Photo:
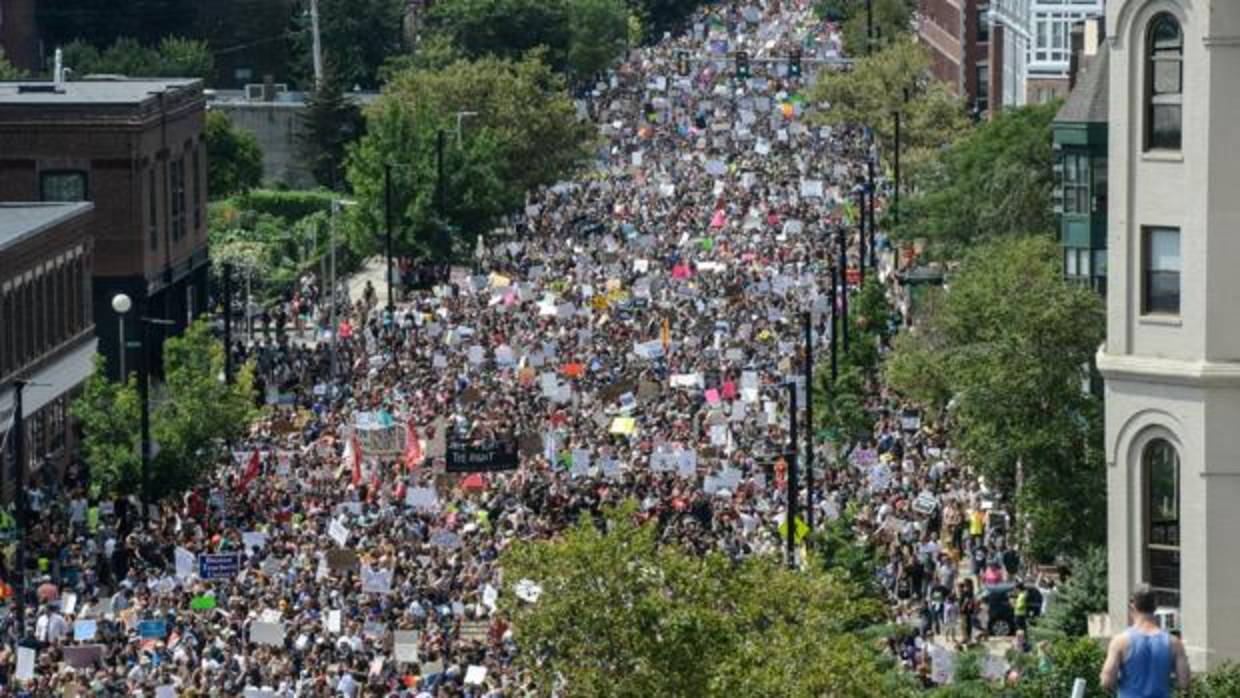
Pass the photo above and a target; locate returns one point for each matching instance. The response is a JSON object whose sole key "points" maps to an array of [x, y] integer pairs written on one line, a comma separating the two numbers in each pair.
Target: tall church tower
{"points": [[1172, 355]]}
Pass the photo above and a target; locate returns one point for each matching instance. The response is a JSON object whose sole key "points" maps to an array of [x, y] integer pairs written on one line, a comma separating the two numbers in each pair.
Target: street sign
{"points": [[488, 457]]}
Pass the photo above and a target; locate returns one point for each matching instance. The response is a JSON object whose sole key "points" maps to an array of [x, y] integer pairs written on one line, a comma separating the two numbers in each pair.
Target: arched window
{"points": [[1164, 83], [1161, 463]]}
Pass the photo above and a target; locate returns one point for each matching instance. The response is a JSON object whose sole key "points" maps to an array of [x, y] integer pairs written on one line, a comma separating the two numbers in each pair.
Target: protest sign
{"points": [[152, 629], [218, 565], [205, 602], [465, 457], [82, 656], [338, 532], [84, 630], [405, 646], [376, 580], [267, 633]]}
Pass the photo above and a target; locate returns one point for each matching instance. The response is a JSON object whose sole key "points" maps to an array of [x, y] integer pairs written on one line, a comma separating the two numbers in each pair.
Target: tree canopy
{"points": [[579, 36], [873, 91], [620, 614], [356, 36], [171, 57], [1004, 354], [994, 182], [190, 426], [890, 19], [234, 160], [524, 133], [330, 123], [8, 71]]}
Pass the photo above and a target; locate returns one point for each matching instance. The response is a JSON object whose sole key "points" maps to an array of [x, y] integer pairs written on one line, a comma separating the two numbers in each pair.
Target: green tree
{"points": [[234, 160], [621, 615], [874, 90], [8, 71], [1067, 660], [598, 31], [1083, 593], [506, 28], [100, 23], [330, 123], [996, 181], [891, 19], [109, 412], [201, 414], [525, 135], [174, 57], [194, 415], [840, 405], [1005, 354], [357, 36]]}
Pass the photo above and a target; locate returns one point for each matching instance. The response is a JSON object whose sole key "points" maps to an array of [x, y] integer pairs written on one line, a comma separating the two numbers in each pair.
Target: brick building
{"points": [[135, 149], [957, 32], [46, 324]]}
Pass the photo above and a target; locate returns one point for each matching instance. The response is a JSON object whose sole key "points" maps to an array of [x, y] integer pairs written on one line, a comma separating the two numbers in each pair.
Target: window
{"points": [[1099, 203], [62, 185], [151, 198], [177, 192], [1161, 464], [1164, 75], [983, 26], [983, 87], [1162, 271], [197, 190], [1076, 183]]}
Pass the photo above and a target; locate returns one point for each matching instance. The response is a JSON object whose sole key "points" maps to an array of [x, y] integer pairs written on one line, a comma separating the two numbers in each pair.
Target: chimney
{"points": [[58, 71]]}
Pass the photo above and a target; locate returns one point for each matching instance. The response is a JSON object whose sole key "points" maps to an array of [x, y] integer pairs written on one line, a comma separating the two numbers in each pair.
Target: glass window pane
{"points": [[1166, 76], [1070, 261], [64, 186], [1083, 265], [1164, 249], [1166, 32]]}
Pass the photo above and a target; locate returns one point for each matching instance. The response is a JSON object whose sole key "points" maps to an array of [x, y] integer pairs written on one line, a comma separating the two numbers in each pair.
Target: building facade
{"points": [[46, 326], [1011, 34], [1172, 355], [1080, 133], [135, 149], [957, 33]]}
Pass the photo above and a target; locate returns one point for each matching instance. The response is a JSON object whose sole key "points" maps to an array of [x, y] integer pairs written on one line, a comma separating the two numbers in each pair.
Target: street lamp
{"points": [[121, 303], [144, 382]]}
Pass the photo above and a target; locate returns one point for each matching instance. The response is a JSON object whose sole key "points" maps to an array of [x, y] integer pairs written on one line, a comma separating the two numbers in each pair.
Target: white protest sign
{"points": [[266, 633], [185, 563], [475, 675], [376, 581], [333, 621], [422, 498], [405, 646], [338, 532], [25, 664]]}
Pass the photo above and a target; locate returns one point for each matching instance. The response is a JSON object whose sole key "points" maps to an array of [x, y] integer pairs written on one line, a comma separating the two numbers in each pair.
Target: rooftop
{"points": [[111, 91], [19, 221], [1088, 101]]}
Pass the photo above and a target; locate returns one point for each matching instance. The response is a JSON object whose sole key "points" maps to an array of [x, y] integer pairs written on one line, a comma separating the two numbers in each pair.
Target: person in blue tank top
{"points": [[1140, 660]]}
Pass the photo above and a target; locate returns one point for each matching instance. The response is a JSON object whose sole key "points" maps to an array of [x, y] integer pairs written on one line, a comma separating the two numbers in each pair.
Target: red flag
{"points": [[413, 446], [474, 482], [251, 472], [357, 460]]}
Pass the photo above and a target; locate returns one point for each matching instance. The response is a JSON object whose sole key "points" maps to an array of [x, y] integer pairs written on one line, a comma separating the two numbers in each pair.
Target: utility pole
{"points": [[387, 219], [843, 241], [807, 320], [861, 193], [895, 200], [318, 46], [792, 474], [144, 390], [834, 316], [870, 191], [869, 27], [19, 498], [228, 348]]}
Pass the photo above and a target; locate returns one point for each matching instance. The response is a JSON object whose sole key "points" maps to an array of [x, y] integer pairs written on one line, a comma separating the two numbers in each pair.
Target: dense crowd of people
{"points": [[634, 341]]}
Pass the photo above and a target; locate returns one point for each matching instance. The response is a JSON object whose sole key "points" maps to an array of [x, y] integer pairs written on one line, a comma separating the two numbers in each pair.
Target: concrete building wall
{"points": [[1176, 376], [276, 125]]}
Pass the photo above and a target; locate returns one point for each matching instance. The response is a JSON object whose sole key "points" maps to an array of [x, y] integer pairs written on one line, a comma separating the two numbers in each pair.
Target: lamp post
{"points": [[121, 303], [19, 498], [144, 383], [792, 474], [228, 358], [843, 243], [387, 220], [337, 205], [807, 321]]}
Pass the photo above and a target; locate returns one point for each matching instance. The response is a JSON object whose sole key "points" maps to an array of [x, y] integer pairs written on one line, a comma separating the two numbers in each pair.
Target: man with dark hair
{"points": [[1140, 660]]}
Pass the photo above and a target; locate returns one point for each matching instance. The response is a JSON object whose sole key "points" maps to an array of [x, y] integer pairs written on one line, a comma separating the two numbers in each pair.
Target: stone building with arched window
{"points": [[1172, 356]]}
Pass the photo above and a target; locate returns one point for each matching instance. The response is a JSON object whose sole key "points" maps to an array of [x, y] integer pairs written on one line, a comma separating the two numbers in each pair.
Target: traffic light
{"points": [[742, 65], [794, 63], [682, 63]]}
